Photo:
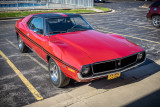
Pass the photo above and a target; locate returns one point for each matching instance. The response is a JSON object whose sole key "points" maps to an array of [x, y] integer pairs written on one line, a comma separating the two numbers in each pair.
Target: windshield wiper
{"points": [[57, 32], [81, 29], [76, 29]]}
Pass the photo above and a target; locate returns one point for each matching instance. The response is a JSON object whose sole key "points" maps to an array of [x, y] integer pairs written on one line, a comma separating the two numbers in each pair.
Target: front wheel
{"points": [[21, 45], [58, 78], [156, 21]]}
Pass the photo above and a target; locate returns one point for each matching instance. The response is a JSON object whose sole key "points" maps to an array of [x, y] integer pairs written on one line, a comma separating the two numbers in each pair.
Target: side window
{"points": [[37, 23]]}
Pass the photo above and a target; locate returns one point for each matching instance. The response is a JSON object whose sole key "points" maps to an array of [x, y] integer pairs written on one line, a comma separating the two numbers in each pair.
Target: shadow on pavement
{"points": [[151, 100]]}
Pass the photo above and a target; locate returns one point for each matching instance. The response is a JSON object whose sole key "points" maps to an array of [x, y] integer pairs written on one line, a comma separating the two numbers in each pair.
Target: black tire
{"points": [[156, 21], [21, 45], [58, 78]]}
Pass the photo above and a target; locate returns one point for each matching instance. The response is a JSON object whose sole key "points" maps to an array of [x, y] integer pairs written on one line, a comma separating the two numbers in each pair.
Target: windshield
{"points": [[66, 24], [156, 4]]}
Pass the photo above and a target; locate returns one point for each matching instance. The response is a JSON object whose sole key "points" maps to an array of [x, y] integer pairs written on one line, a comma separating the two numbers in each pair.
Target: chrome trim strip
{"points": [[117, 58]]}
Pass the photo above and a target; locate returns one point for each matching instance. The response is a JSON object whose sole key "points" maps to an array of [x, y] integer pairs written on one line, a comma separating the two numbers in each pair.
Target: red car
{"points": [[73, 49], [154, 13]]}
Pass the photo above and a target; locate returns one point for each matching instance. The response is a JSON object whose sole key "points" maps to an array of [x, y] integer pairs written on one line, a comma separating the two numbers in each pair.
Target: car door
{"points": [[36, 34]]}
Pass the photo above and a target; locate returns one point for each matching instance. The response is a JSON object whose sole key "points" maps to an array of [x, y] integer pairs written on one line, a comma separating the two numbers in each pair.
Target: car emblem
{"points": [[119, 63]]}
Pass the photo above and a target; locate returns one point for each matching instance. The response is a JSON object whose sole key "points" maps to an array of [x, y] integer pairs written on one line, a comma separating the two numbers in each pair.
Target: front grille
{"points": [[128, 60], [114, 64], [100, 67]]}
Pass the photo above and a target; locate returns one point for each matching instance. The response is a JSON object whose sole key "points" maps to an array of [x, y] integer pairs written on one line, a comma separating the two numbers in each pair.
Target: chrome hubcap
{"points": [[54, 72], [156, 21], [20, 42]]}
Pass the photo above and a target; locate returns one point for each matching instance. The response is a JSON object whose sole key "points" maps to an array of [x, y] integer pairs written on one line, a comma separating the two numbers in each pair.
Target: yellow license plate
{"points": [[113, 76]]}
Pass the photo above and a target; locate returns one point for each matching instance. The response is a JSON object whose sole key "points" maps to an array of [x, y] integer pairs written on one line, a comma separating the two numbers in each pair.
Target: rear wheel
{"points": [[21, 45], [58, 78], [156, 21]]}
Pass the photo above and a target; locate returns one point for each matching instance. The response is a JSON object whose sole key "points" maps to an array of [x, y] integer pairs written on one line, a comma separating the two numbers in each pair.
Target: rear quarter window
{"points": [[36, 23]]}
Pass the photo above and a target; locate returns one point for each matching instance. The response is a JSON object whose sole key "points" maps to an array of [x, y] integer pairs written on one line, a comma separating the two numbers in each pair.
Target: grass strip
{"points": [[26, 13], [102, 8]]}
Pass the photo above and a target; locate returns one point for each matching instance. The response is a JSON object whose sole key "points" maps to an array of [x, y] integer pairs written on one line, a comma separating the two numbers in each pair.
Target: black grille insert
{"points": [[128, 60], [100, 67], [114, 64]]}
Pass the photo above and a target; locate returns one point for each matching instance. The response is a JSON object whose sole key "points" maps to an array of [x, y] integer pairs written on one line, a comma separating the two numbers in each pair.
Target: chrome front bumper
{"points": [[103, 75]]}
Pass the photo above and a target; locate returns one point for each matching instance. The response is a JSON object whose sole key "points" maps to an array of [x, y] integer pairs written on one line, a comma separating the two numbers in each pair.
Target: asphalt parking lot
{"points": [[128, 20]]}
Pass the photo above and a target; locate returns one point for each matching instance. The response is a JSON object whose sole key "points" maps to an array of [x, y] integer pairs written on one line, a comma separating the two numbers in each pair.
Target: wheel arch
{"points": [[48, 58], [17, 35], [155, 15]]}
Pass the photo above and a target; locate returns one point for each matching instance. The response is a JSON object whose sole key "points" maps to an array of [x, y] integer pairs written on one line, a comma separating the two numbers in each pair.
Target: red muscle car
{"points": [[73, 49]]}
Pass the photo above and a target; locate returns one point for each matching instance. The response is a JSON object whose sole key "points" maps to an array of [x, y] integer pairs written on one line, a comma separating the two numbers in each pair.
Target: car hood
{"points": [[98, 46]]}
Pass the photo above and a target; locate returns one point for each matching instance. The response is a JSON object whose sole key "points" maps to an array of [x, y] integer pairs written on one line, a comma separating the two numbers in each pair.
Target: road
{"points": [[128, 20]]}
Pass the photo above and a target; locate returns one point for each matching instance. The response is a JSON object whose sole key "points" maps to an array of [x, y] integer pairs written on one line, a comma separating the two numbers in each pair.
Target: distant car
{"points": [[154, 13], [97, 1], [73, 49]]}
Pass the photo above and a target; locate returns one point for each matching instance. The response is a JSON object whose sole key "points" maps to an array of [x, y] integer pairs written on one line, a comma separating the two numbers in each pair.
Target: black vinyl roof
{"points": [[55, 15]]}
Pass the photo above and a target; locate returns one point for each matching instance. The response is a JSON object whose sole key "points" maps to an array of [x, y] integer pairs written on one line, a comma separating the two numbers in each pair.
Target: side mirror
{"points": [[35, 30]]}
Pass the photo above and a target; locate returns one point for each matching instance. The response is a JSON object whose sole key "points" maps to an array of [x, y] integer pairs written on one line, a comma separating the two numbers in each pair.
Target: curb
{"points": [[97, 12], [8, 18]]}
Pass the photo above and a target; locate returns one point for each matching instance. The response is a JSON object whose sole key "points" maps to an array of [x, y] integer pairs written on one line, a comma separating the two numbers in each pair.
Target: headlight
{"points": [[86, 71], [139, 56]]}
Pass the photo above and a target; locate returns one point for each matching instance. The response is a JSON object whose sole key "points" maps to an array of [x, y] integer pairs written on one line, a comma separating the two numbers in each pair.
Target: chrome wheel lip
{"points": [[20, 43], [156, 21], [54, 71]]}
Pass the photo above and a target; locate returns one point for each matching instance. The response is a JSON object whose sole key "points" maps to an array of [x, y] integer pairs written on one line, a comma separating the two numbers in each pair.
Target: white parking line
{"points": [[128, 36], [142, 26], [35, 60]]}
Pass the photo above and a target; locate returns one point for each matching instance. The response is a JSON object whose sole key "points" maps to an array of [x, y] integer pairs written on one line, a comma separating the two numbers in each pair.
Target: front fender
{"points": [[69, 58]]}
